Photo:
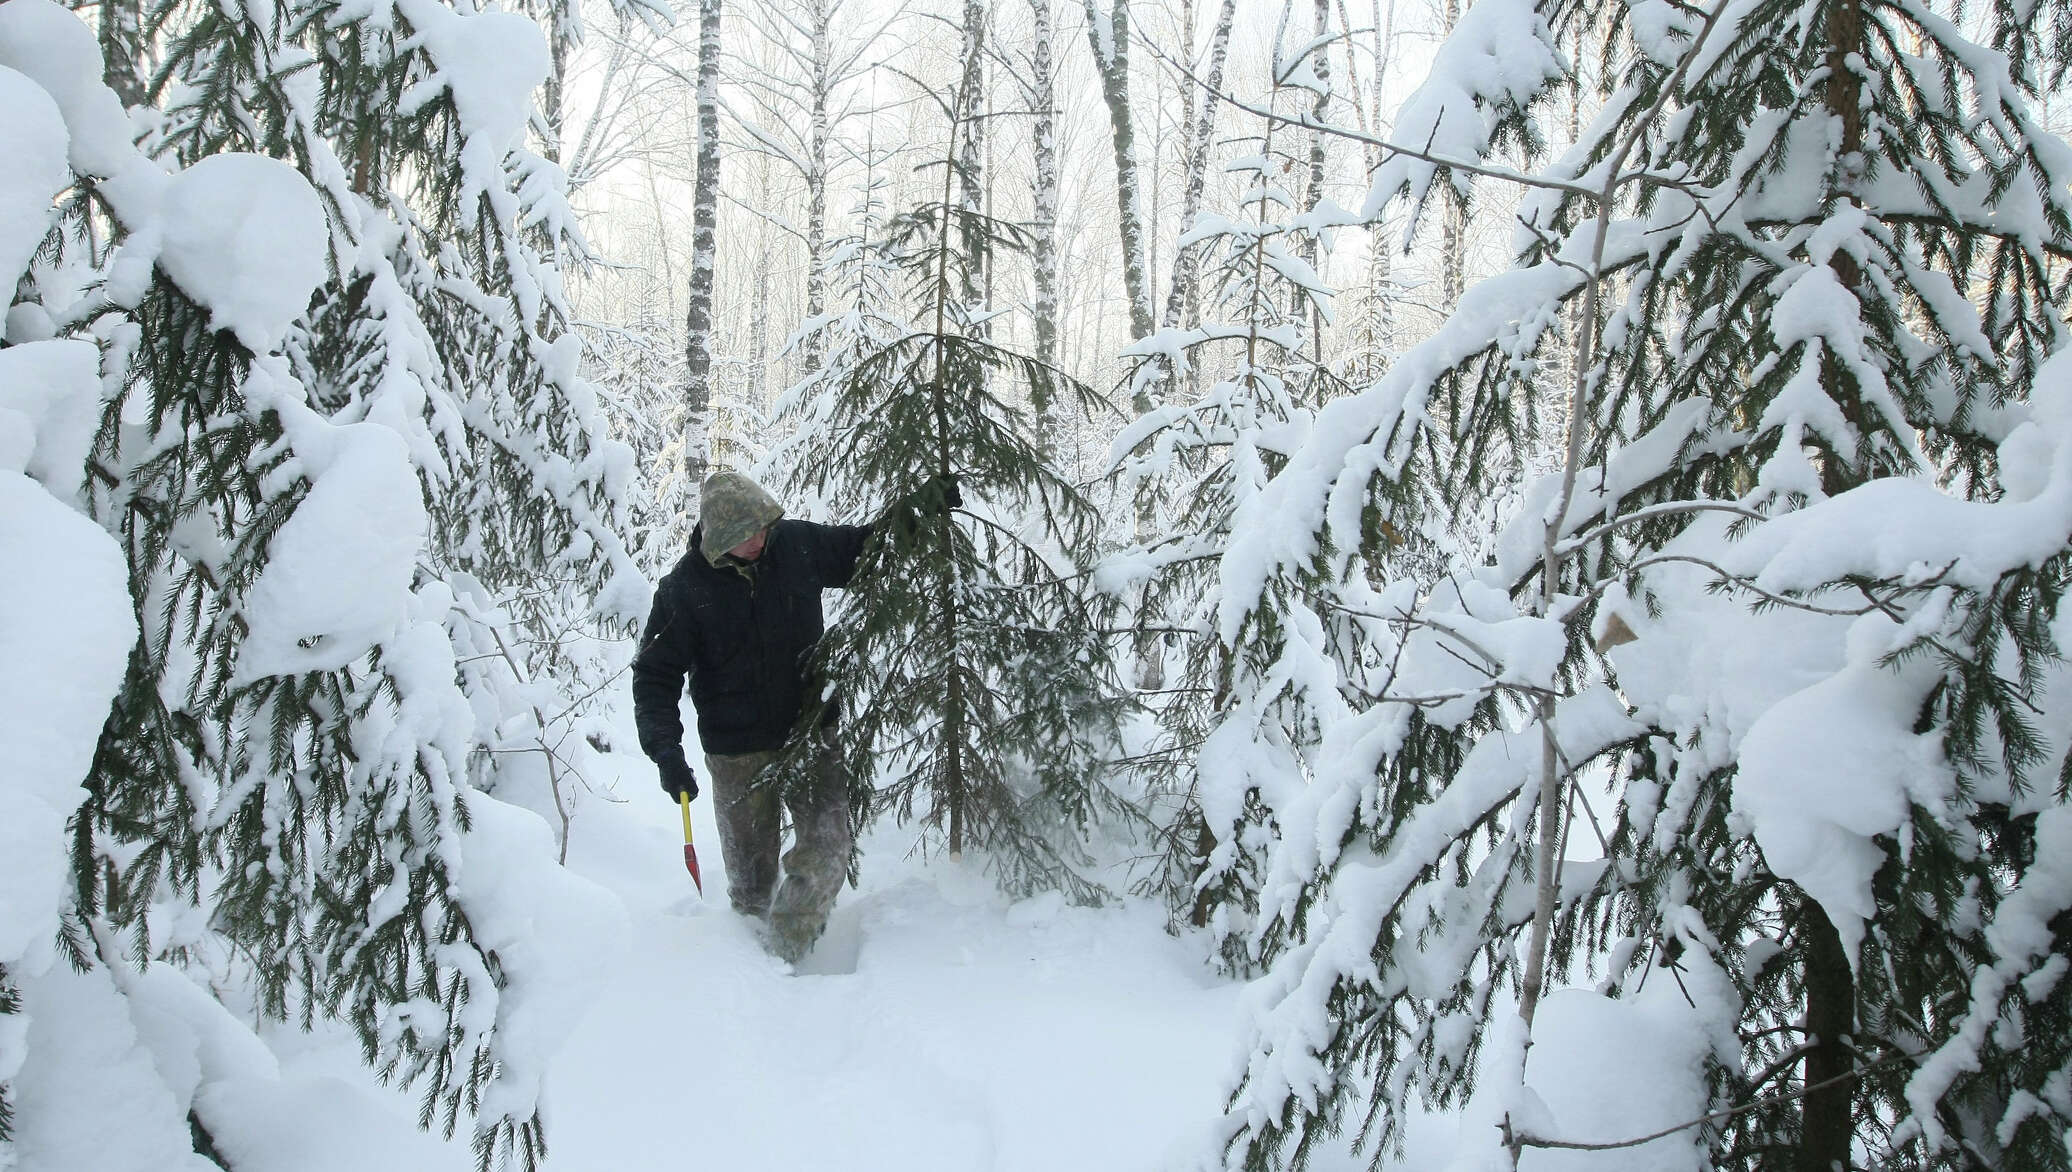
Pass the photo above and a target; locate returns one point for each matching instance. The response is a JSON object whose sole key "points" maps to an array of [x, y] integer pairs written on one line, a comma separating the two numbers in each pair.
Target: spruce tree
{"points": [[1776, 588], [292, 756], [970, 663]]}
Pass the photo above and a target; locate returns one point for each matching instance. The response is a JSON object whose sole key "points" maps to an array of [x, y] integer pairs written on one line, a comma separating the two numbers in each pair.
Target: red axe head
{"points": [[690, 853]]}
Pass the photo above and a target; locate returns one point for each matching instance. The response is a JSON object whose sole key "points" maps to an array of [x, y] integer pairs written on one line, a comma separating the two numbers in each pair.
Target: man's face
{"points": [[751, 549]]}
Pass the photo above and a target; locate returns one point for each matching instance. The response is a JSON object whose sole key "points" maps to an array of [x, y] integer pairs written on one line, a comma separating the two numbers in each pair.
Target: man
{"points": [[739, 616]]}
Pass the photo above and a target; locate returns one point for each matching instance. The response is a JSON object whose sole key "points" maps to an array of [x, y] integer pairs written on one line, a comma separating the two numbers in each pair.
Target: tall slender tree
{"points": [[1108, 34], [1045, 190], [1196, 464], [1182, 289], [698, 314], [796, 103]]}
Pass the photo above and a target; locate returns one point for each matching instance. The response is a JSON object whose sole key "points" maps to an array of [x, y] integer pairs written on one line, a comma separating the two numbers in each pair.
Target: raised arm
{"points": [[843, 544], [839, 547]]}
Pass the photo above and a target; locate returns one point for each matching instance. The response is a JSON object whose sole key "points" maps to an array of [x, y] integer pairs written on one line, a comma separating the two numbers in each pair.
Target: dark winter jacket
{"points": [[742, 632]]}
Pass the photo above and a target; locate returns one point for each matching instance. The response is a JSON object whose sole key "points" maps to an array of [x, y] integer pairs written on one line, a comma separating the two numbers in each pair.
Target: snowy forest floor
{"points": [[974, 1033]]}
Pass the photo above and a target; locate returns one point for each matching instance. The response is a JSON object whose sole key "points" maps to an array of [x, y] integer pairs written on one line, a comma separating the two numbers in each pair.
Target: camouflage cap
{"points": [[733, 509]]}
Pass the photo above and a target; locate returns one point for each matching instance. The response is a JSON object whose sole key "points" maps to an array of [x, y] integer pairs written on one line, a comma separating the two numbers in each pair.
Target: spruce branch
{"points": [[1523, 1139]]}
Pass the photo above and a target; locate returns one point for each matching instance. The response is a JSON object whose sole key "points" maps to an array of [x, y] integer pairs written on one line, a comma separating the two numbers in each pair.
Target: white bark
{"points": [[1453, 234], [816, 178], [1109, 36], [697, 451], [971, 96], [1181, 295], [1313, 190], [1043, 98]]}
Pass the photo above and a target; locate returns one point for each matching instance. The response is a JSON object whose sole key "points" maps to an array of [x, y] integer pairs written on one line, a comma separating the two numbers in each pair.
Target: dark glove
{"points": [[939, 495], [908, 515], [677, 779]]}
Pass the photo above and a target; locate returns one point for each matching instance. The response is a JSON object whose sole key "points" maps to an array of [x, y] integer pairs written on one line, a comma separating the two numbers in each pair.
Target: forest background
{"points": [[1534, 534]]}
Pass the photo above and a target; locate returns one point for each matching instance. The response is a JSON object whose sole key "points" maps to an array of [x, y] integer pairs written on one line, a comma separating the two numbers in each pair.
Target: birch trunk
{"points": [[1313, 190], [1110, 38], [1110, 41], [697, 450], [816, 184], [759, 318], [1182, 295], [1370, 104], [1043, 99], [970, 154], [1453, 236], [554, 93]]}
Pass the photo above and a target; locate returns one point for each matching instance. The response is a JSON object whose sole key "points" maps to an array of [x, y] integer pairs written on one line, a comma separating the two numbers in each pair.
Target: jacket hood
{"points": [[732, 509]]}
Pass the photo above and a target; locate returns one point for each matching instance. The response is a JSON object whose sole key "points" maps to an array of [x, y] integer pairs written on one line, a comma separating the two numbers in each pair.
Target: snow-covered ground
{"points": [[940, 1026], [971, 1034]]}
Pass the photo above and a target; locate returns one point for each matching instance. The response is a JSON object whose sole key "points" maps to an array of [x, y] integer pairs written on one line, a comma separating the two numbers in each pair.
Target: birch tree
{"points": [[1042, 95], [1181, 292], [1108, 35], [795, 110], [1198, 464], [1373, 309], [1453, 225], [1319, 71], [698, 314]]}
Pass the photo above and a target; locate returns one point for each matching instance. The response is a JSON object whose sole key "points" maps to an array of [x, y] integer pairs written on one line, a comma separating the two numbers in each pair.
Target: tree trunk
{"points": [[1110, 40], [121, 32], [1845, 37], [971, 101], [697, 452], [1826, 1113], [1181, 305], [554, 94], [1453, 257], [1380, 333], [759, 318], [1184, 123], [816, 186], [1044, 253], [1826, 1119], [1313, 190], [946, 562], [1453, 235], [987, 270]]}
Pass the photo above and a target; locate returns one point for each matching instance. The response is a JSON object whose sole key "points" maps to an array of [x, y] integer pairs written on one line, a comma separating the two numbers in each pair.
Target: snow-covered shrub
{"points": [[294, 372], [1247, 709], [1792, 596]]}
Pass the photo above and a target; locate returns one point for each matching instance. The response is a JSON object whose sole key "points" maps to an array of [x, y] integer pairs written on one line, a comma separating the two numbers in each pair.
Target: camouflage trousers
{"points": [[751, 836]]}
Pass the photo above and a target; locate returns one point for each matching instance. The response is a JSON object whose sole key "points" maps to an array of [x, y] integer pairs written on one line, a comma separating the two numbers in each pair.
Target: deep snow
{"points": [[939, 1026], [970, 1033]]}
